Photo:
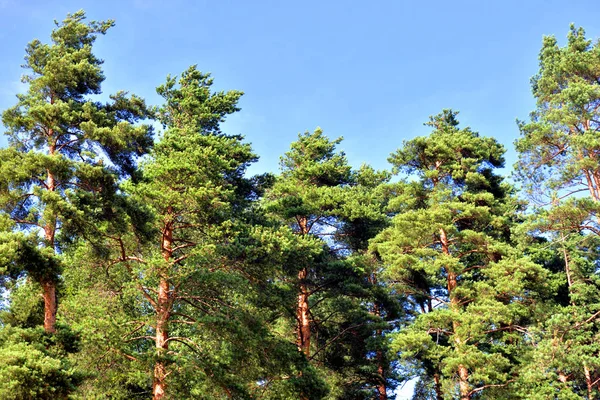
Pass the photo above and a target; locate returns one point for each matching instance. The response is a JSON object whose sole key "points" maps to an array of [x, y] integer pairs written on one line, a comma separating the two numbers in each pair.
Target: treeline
{"points": [[138, 264]]}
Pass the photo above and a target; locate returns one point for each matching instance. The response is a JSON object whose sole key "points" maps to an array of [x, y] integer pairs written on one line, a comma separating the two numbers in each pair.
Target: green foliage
{"points": [[558, 165], [198, 244], [175, 272], [449, 251], [311, 181], [57, 183], [558, 148], [53, 174], [323, 200], [33, 365]]}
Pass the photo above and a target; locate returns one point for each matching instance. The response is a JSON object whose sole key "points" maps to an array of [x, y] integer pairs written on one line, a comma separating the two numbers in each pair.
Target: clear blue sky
{"points": [[369, 71]]}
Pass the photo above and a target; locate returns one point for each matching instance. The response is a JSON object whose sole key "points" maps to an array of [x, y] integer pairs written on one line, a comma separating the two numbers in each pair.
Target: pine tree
{"points": [[559, 148], [66, 151], [305, 196], [311, 197], [193, 261], [449, 244], [564, 328], [369, 371], [339, 306], [189, 185], [558, 165]]}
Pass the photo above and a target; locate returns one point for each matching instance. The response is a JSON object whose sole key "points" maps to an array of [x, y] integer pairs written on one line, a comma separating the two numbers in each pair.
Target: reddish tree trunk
{"points": [[159, 384], [302, 307], [302, 315], [49, 295], [161, 341], [438, 387], [588, 382], [49, 285], [381, 389], [463, 373]]}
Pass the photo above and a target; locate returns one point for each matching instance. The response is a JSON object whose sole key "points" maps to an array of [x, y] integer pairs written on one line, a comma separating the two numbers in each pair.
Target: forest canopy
{"points": [[139, 259]]}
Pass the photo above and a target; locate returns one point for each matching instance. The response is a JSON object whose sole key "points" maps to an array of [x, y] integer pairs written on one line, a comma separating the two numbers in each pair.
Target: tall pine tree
{"points": [[449, 250], [66, 151], [559, 154], [305, 196]]}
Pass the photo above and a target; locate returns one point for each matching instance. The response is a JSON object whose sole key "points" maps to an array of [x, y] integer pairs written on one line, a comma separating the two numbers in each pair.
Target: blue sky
{"points": [[369, 71]]}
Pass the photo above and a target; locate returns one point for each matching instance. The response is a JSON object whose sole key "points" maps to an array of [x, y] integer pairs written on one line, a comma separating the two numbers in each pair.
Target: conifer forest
{"points": [[140, 260]]}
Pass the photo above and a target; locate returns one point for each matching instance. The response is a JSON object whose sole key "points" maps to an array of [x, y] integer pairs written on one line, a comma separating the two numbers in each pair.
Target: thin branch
{"points": [[179, 259], [479, 389], [183, 340], [183, 246], [590, 319], [140, 337]]}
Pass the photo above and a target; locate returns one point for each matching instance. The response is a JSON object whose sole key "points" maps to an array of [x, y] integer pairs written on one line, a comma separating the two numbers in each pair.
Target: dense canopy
{"points": [[139, 259]]}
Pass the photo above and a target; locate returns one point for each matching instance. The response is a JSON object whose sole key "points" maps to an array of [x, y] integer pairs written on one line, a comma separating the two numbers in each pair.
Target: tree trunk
{"points": [[438, 387], [302, 315], [588, 382], [161, 341], [303, 328], [381, 389], [302, 308], [463, 372], [591, 178], [49, 284], [49, 295], [163, 312]]}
